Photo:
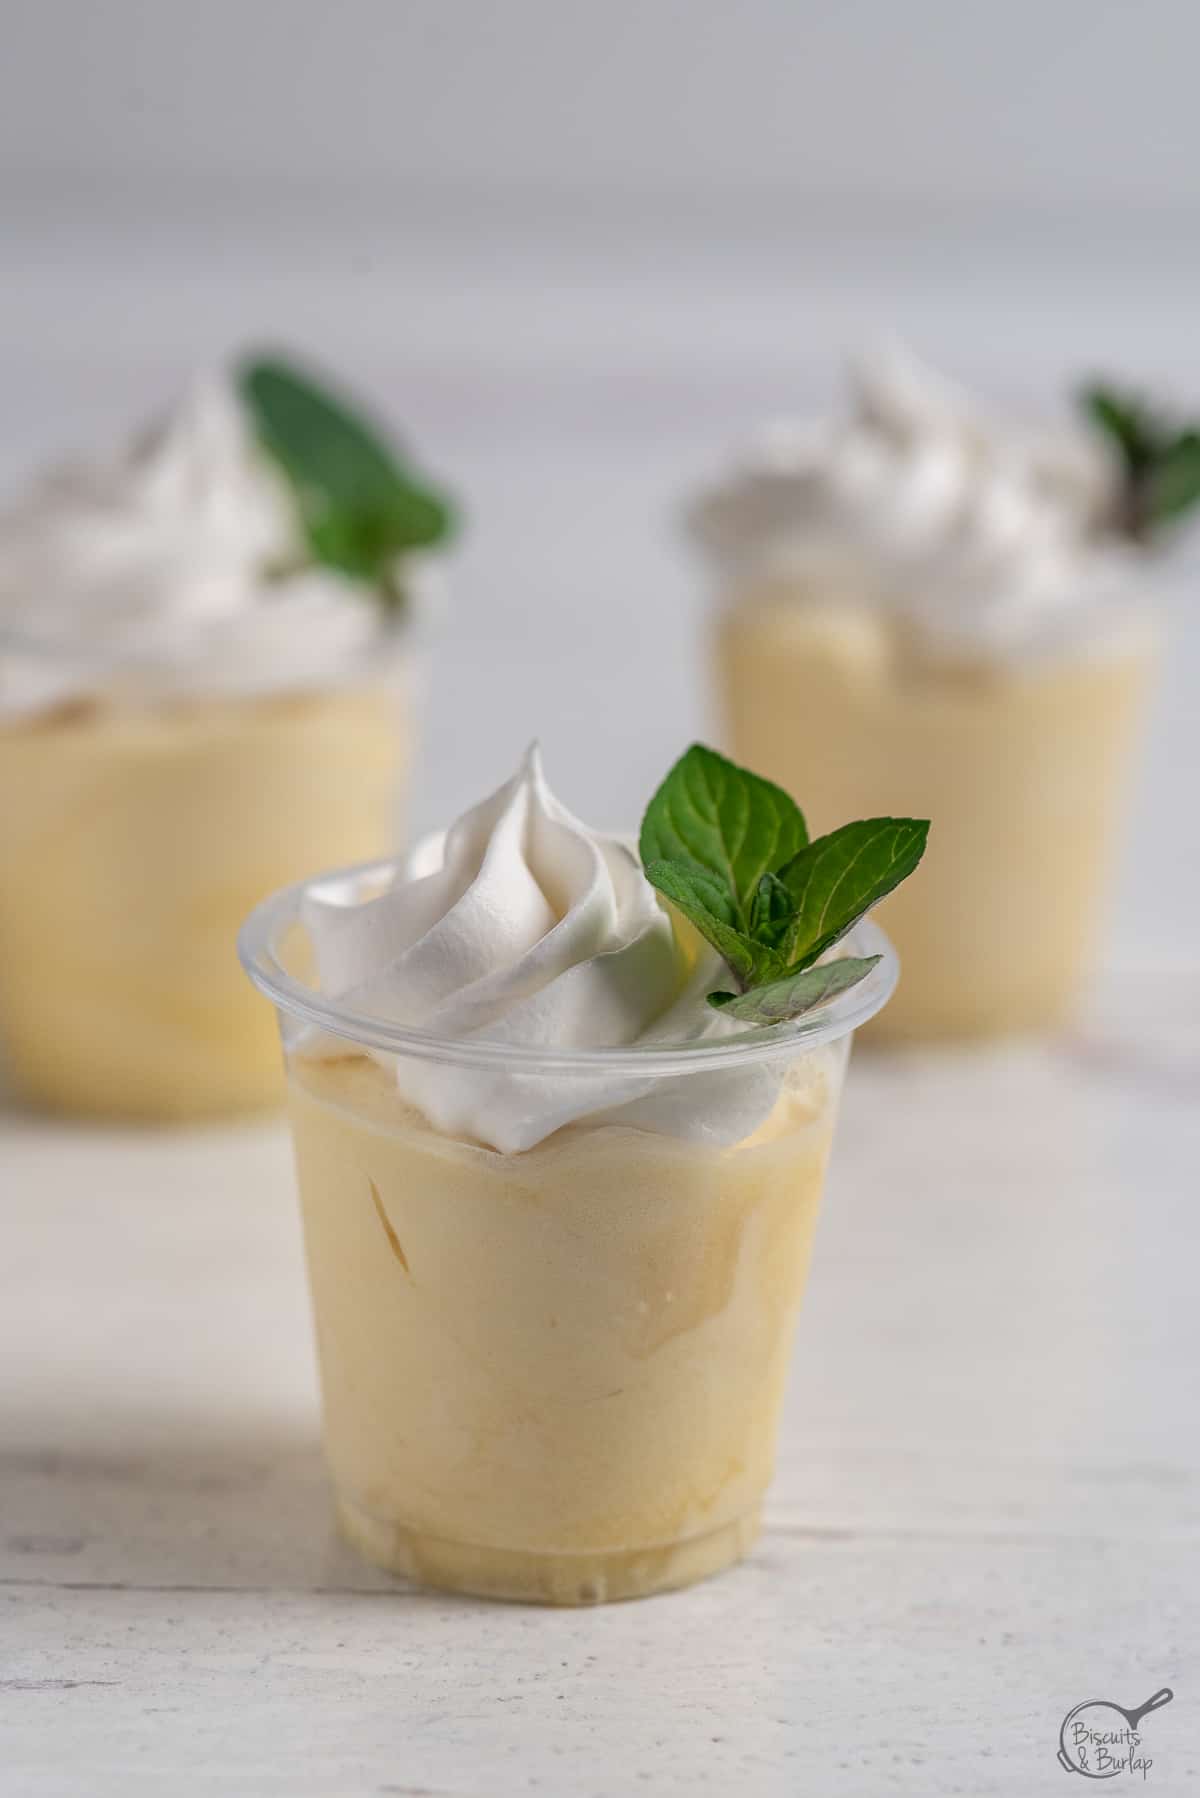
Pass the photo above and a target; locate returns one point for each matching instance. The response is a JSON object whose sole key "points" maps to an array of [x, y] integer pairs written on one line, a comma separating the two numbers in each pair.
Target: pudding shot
{"points": [[561, 1112], [204, 650], [917, 612]]}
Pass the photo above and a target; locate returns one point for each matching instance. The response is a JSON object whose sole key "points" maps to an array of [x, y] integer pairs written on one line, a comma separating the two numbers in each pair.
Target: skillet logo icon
{"points": [[1100, 1739]]}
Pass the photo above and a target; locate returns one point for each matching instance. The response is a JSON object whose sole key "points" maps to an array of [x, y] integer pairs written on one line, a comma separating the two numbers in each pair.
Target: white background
{"points": [[1075, 105], [578, 249]]}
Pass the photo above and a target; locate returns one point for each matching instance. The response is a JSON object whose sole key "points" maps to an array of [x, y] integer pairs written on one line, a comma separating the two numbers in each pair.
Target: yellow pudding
{"points": [[553, 1375], [1023, 768], [135, 840]]}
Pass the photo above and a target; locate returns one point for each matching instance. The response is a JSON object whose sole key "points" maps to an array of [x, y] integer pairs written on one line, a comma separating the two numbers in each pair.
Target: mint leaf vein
{"points": [[837, 879]]}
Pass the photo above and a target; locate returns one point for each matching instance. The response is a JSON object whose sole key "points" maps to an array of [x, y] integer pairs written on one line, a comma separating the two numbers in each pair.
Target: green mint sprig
{"points": [[731, 852], [361, 505], [1159, 460]]}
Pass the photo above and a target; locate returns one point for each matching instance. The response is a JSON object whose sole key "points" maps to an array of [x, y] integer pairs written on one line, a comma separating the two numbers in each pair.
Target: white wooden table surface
{"points": [[987, 1508]]}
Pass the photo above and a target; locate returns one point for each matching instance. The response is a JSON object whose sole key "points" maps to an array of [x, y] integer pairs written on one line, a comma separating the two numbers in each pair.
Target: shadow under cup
{"points": [[554, 1375]]}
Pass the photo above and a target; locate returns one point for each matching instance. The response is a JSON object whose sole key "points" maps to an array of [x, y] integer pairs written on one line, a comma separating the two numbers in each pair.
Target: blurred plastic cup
{"points": [[1024, 768], [136, 836]]}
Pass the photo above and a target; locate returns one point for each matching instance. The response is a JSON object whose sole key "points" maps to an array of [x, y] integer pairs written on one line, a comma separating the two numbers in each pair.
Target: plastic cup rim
{"points": [[267, 923]]}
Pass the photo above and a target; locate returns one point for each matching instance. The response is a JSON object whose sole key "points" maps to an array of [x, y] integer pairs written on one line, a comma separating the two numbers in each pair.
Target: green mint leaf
{"points": [[794, 994], [720, 818], [351, 541], [707, 903], [361, 506], [731, 852], [1174, 486], [1161, 463], [839, 877], [1125, 419], [772, 911]]}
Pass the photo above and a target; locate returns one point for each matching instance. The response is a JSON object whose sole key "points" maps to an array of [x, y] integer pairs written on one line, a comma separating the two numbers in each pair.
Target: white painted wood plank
{"points": [[856, 1668], [988, 1502]]}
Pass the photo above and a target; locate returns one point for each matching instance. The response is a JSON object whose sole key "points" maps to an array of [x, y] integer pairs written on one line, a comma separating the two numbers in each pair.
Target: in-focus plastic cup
{"points": [[552, 1376], [1024, 768], [136, 836]]}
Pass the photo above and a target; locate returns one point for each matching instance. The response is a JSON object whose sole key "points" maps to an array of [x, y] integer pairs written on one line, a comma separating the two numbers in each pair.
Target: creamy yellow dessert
{"points": [[915, 617], [553, 1375], [197, 705], [559, 1184], [1024, 769], [135, 842]]}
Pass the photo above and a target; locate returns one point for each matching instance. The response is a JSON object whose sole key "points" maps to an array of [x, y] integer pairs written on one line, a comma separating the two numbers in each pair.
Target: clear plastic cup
{"points": [[138, 830], [552, 1376]]}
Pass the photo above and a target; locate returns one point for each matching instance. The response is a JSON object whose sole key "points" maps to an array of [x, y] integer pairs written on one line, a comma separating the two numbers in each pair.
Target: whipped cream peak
{"points": [[903, 400], [980, 540], [521, 925], [194, 468], [173, 566]]}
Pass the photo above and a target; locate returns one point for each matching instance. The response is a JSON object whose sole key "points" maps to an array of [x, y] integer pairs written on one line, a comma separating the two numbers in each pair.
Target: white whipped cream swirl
{"points": [[520, 925], [979, 541], [163, 571]]}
